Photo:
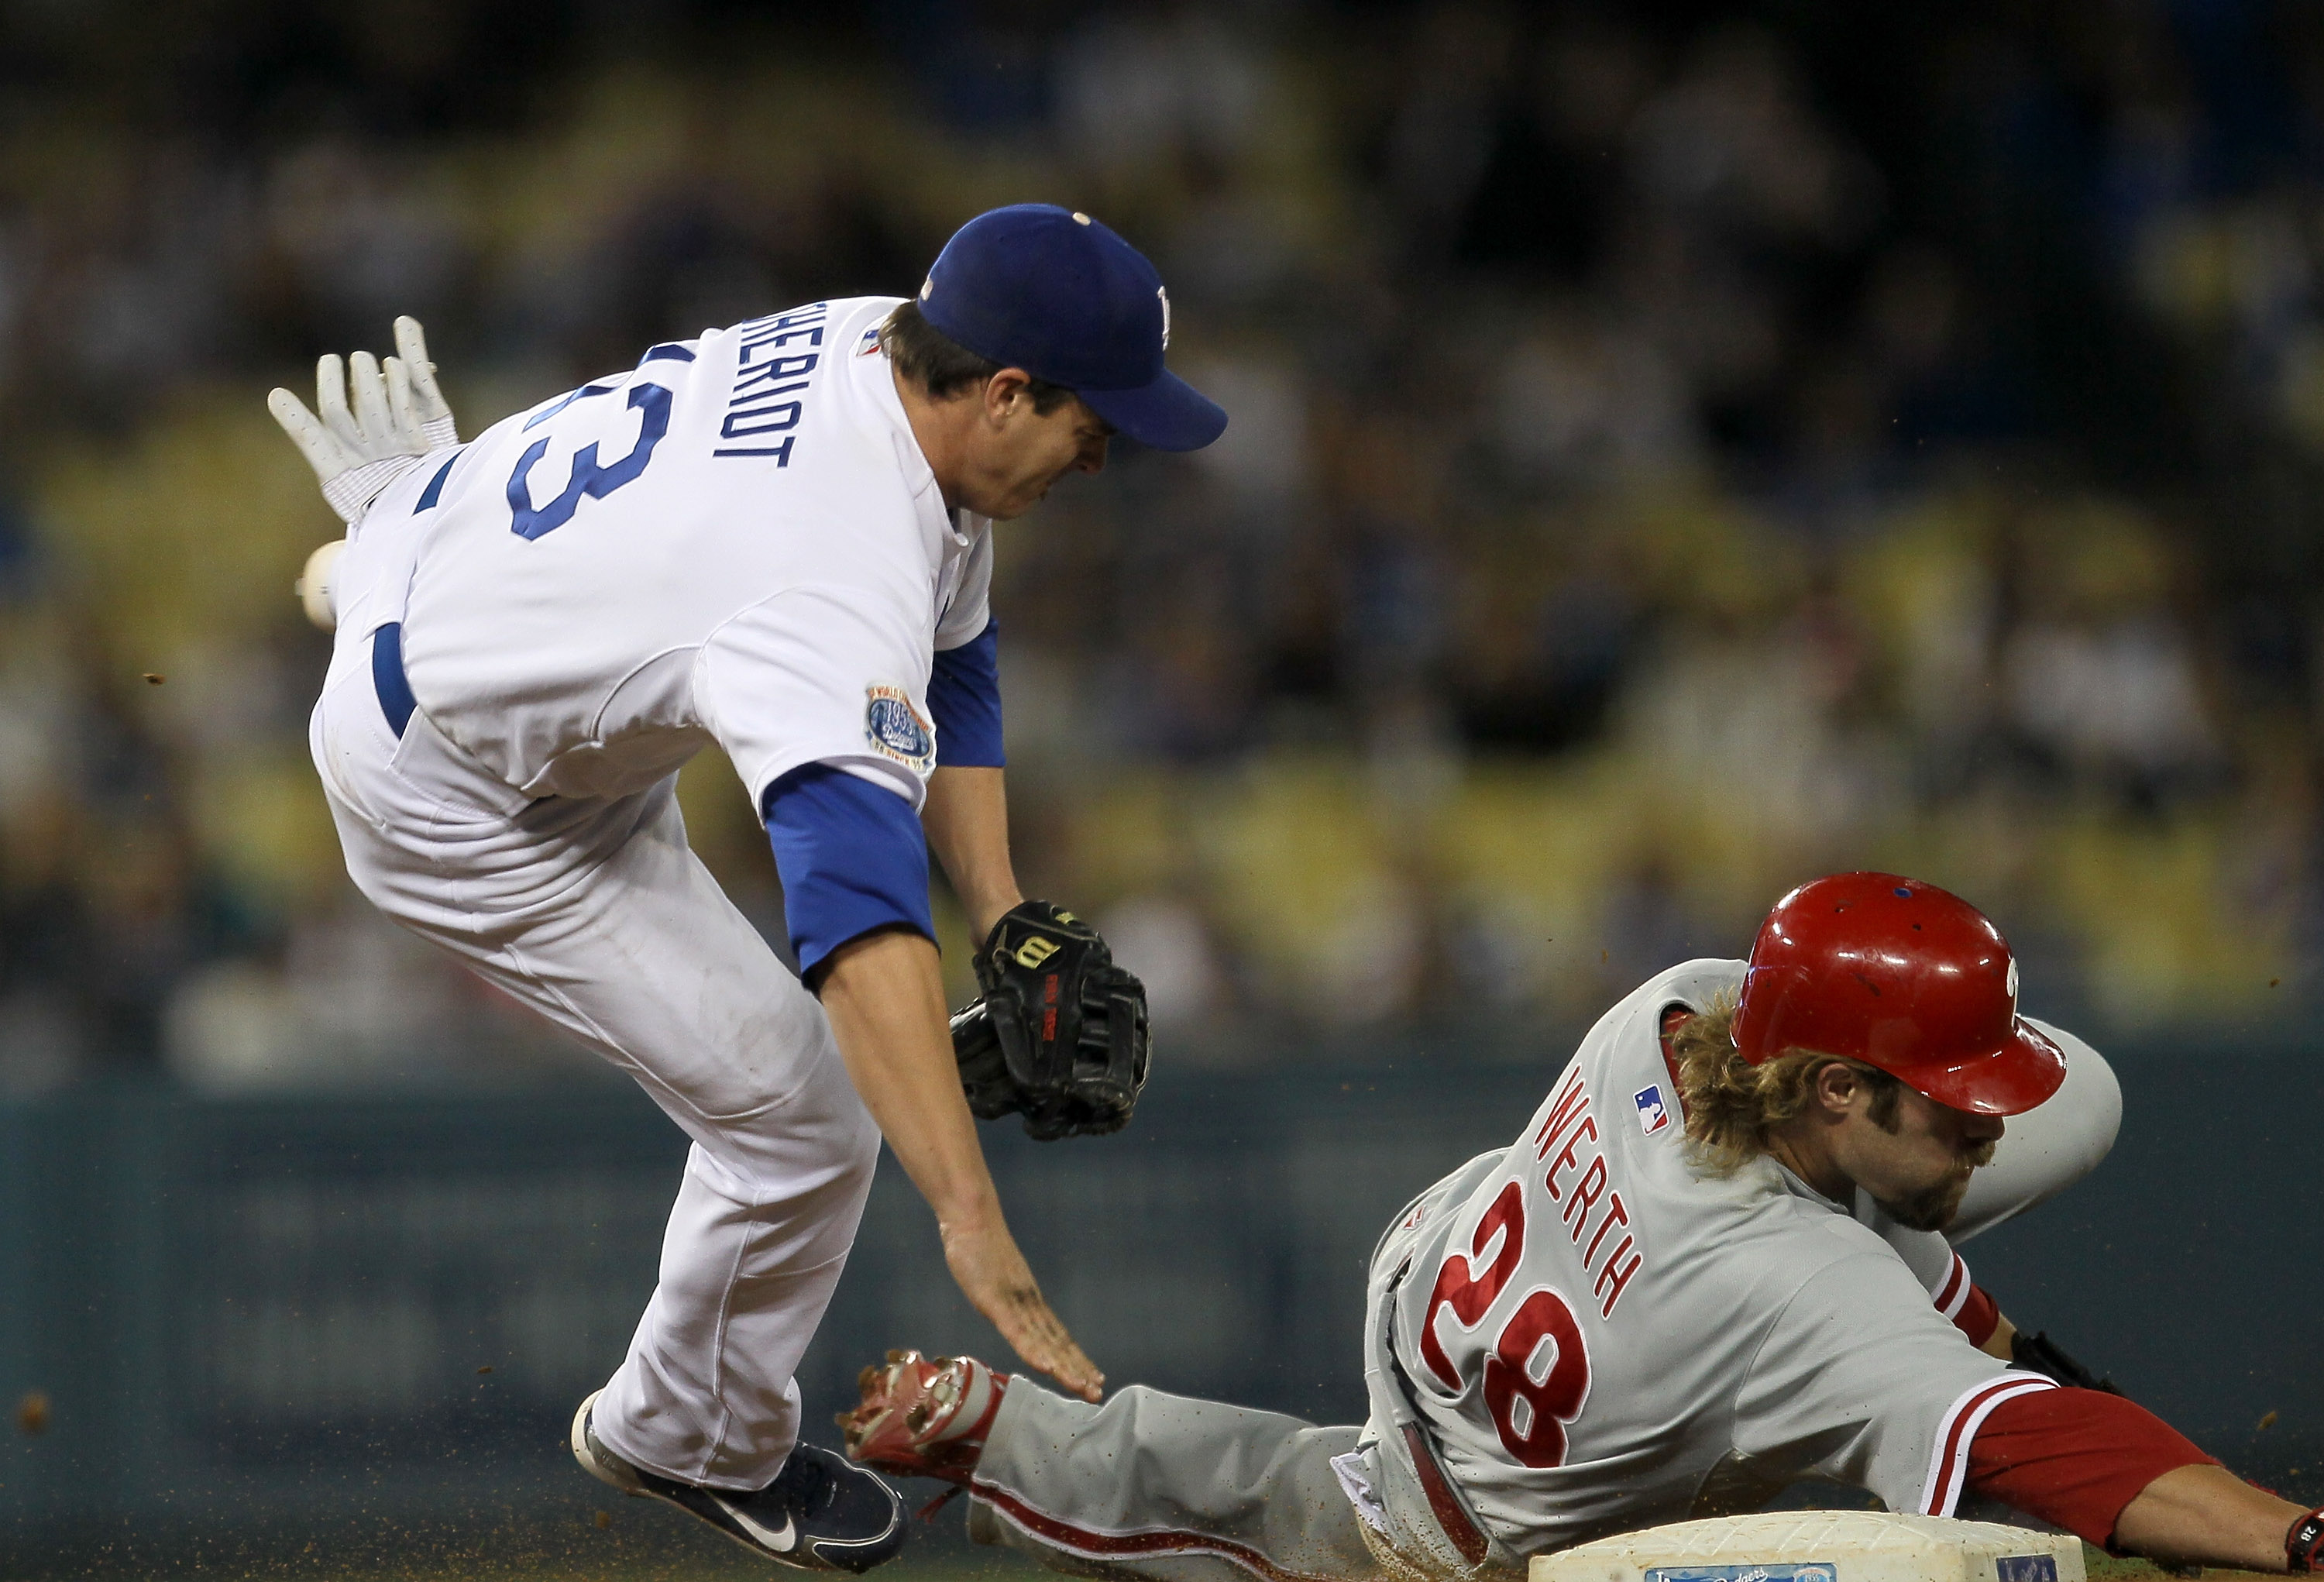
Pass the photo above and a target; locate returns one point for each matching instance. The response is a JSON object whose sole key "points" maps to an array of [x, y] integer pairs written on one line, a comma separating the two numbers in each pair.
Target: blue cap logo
{"points": [[1055, 293]]}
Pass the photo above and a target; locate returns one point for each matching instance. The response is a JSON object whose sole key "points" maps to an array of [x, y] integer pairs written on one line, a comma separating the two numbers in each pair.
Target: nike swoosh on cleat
{"points": [[782, 1542]]}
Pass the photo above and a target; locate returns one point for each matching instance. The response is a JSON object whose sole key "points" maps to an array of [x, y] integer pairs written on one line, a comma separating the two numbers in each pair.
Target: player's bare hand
{"points": [[995, 1277]]}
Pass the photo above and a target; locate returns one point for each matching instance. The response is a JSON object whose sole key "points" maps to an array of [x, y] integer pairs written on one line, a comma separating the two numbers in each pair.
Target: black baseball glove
{"points": [[2038, 1354], [1059, 1033]]}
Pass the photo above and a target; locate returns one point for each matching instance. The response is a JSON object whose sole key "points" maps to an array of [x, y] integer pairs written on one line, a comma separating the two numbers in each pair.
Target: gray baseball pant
{"points": [[1164, 1487]]}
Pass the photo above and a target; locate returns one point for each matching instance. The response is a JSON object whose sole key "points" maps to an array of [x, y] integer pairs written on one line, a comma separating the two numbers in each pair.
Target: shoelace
{"points": [[805, 1484]]}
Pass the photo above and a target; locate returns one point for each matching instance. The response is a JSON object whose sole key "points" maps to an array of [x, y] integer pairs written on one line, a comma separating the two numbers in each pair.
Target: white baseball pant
{"points": [[595, 914]]}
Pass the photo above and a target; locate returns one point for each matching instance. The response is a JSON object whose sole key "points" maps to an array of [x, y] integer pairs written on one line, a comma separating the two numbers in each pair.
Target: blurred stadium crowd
{"points": [[1676, 449]]}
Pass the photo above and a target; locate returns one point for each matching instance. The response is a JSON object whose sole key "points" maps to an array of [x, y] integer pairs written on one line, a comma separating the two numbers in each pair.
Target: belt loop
{"points": [[387, 678]]}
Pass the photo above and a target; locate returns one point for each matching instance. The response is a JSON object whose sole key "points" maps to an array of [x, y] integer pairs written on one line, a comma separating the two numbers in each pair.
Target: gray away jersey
{"points": [[1600, 1337]]}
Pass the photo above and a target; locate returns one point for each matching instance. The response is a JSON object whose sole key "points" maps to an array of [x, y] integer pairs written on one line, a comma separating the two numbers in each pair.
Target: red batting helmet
{"points": [[1902, 975]]}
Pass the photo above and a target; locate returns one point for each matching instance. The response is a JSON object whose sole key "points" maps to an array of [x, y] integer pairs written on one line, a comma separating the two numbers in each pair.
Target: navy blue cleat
{"points": [[823, 1512]]}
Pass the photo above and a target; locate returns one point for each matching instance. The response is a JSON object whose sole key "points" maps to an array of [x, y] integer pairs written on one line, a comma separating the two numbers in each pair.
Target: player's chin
{"points": [[1932, 1208], [1033, 495], [1011, 506]]}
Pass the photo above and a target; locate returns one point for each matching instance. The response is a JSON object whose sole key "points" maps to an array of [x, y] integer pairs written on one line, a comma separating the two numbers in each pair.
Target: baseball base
{"points": [[1821, 1545]]}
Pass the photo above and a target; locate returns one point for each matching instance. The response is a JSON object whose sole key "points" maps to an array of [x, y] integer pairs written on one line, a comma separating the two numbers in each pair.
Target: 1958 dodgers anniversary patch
{"points": [[894, 729]]}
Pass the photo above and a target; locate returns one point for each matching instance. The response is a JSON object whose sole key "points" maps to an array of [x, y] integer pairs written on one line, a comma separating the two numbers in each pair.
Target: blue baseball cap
{"points": [[1040, 288]]}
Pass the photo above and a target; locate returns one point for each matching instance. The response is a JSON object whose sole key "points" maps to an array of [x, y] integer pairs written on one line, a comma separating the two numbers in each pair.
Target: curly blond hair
{"points": [[1731, 1105]]}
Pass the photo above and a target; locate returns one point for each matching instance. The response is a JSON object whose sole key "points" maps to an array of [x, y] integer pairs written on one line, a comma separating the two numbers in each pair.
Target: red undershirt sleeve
{"points": [[1978, 1317], [2075, 1458]]}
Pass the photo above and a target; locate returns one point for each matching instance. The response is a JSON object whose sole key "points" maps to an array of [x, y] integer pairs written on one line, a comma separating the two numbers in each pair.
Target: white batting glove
{"points": [[376, 421]]}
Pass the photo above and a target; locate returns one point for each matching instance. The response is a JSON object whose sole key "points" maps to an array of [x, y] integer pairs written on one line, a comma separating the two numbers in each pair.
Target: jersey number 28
{"points": [[1536, 1374]]}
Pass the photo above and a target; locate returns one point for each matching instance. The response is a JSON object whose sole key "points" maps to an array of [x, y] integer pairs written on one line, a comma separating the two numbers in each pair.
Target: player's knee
{"points": [[846, 1150]]}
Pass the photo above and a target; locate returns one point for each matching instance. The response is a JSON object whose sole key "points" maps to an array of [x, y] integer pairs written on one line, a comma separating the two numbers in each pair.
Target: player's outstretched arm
{"points": [[884, 995], [2103, 1466], [1073, 1072], [2207, 1516], [966, 817], [2003, 1342]]}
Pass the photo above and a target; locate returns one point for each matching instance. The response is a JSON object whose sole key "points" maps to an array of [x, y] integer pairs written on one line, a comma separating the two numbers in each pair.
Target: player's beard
{"points": [[1933, 1207]]}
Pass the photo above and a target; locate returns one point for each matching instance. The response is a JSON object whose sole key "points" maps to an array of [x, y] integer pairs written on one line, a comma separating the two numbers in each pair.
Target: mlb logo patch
{"points": [[1652, 1116]]}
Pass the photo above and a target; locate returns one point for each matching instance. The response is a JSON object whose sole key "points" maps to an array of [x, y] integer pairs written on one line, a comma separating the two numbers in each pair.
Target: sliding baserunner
{"points": [[1718, 1258]]}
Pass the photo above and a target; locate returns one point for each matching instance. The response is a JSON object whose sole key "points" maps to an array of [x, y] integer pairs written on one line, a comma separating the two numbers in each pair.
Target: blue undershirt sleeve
{"points": [[964, 701], [852, 857]]}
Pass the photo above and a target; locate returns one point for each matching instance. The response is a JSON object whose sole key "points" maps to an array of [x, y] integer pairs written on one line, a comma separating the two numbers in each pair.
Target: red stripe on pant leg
{"points": [[1165, 1540]]}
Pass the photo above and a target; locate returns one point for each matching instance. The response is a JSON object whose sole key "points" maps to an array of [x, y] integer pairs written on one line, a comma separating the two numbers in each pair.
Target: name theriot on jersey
{"points": [[736, 540]]}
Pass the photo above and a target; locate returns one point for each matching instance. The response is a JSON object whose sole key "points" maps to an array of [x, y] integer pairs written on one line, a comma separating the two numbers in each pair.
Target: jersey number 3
{"points": [[1536, 1374], [588, 476]]}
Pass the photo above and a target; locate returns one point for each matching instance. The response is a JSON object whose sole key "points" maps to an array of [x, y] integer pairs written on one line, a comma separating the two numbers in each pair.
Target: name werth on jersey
{"points": [[755, 408], [1581, 1165]]}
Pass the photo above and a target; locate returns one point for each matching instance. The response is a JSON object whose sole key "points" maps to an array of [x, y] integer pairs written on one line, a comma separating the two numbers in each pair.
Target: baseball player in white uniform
{"points": [[775, 537], [1720, 1257]]}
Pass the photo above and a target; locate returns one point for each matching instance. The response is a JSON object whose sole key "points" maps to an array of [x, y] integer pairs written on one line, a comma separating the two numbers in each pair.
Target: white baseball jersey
{"points": [[1598, 1334], [738, 541]]}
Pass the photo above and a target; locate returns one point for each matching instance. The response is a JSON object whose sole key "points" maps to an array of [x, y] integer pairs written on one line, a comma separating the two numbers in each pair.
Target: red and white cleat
{"points": [[922, 1418]]}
